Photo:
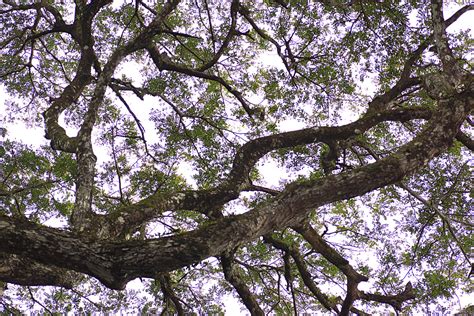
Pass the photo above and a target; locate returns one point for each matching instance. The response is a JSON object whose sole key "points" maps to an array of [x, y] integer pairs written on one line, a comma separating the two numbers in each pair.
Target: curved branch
{"points": [[163, 63], [116, 263], [230, 34], [208, 201]]}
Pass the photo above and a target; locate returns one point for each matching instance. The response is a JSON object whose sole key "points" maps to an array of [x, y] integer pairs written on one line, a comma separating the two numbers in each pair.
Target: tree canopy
{"points": [[301, 156]]}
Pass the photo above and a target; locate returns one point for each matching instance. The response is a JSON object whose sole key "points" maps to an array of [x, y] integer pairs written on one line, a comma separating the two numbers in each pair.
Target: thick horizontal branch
{"points": [[125, 219], [248, 155], [24, 271], [116, 263]]}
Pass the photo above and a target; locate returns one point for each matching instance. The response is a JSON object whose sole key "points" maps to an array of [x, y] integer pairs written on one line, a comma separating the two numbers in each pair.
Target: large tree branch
{"points": [[116, 263], [405, 81], [81, 31], [23, 271], [126, 219]]}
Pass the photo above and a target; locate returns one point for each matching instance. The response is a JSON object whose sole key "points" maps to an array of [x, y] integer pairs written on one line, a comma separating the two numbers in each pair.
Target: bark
{"points": [[23, 271]]}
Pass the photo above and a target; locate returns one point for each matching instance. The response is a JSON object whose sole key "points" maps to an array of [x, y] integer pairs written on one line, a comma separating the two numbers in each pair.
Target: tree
{"points": [[369, 215]]}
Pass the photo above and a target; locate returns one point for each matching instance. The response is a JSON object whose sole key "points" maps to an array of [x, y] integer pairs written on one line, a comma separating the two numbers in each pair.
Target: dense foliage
{"points": [[301, 156]]}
